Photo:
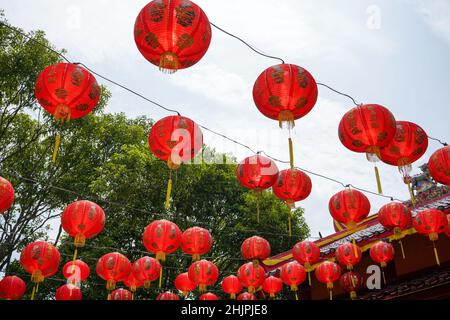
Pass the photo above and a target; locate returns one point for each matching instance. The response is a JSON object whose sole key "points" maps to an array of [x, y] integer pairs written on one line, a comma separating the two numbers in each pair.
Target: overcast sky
{"points": [[394, 53]]}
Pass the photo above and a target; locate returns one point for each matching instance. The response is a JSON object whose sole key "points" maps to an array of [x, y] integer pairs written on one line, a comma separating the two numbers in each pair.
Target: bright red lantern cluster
{"points": [[146, 269], [272, 285], [257, 173], [395, 216], [175, 139], [246, 296], [251, 276], [292, 185], [83, 220], [351, 282], [6, 195], [382, 252], [196, 241], [133, 282], [76, 271], [285, 92], [184, 284], [121, 294], [40, 259], [307, 253], [162, 237], [439, 165], [293, 274], [167, 296], [67, 91], [113, 267], [328, 272], [349, 207], [12, 288], [68, 292], [255, 249], [203, 273], [348, 255], [431, 222], [172, 34], [232, 286], [208, 296]]}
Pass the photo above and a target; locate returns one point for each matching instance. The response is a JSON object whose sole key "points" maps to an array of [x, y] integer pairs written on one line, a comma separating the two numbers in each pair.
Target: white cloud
{"points": [[436, 14]]}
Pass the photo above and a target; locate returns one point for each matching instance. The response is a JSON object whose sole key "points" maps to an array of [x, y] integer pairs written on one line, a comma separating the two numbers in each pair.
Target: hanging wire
{"points": [[339, 92], [202, 126], [441, 142]]}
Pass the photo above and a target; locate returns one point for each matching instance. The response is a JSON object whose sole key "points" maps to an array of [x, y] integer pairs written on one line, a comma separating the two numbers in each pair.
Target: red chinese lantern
{"points": [[82, 220], [348, 255], [368, 128], [232, 286], [397, 217], [208, 296], [113, 267], [146, 269], [133, 283], [272, 286], [251, 276], [12, 288], [121, 294], [285, 92], [196, 241], [172, 34], [175, 139], [255, 249], [76, 272], [67, 91], [351, 282], [184, 284], [291, 186], [431, 222], [328, 272], [167, 296], [382, 252], [246, 296], [293, 275], [162, 237], [6, 195], [203, 273], [41, 260], [409, 145], [307, 253], [349, 207], [439, 165], [68, 292], [447, 232]]}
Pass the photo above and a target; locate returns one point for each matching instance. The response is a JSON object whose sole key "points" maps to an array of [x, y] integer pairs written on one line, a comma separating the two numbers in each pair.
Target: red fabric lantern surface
{"points": [[439, 165], [251, 276], [146, 269], [113, 267], [447, 232], [184, 284], [349, 207], [40, 259], [83, 220], [172, 34], [162, 237], [257, 173], [68, 292], [292, 185], [293, 274], [208, 296], [272, 285], [382, 252], [351, 282], [12, 288], [395, 216], [255, 249], [132, 282], [6, 195], [328, 272], [285, 92], [408, 145], [77, 271], [307, 253], [67, 91], [167, 296], [121, 294], [246, 296], [348, 255], [232, 286], [196, 241], [203, 273], [175, 139], [431, 222]]}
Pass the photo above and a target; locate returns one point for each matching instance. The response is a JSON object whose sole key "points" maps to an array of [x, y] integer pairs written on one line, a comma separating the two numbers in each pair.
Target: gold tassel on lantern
{"points": [[373, 155], [411, 193], [434, 237], [330, 288], [377, 176], [291, 152], [160, 277], [169, 62], [258, 193], [290, 224], [56, 148], [168, 193]]}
